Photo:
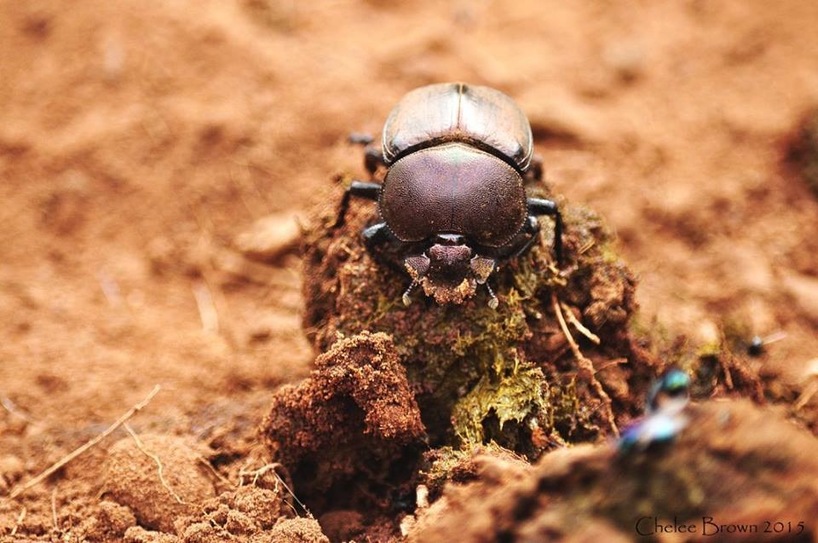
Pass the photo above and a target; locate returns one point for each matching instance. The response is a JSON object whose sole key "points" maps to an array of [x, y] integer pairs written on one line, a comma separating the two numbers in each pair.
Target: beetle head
{"points": [[449, 271]]}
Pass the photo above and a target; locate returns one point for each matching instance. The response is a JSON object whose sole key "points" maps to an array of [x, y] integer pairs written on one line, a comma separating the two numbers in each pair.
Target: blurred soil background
{"points": [[141, 143]]}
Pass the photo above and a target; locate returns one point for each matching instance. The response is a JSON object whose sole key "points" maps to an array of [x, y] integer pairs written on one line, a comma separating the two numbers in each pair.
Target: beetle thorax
{"points": [[454, 188]]}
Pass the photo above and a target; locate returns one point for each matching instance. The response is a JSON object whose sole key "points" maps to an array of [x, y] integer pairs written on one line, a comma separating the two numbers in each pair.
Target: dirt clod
{"points": [[354, 415], [734, 464], [133, 478], [138, 534], [239, 514], [269, 238], [108, 524], [296, 530]]}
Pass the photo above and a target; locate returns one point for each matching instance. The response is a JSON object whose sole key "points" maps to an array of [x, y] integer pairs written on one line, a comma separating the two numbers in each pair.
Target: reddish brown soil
{"points": [[139, 141]]}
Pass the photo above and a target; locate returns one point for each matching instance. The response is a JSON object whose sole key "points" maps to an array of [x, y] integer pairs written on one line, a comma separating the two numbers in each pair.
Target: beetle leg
{"points": [[358, 189], [482, 267], [541, 206], [535, 170], [373, 159], [417, 266], [373, 155], [531, 229], [375, 235], [360, 138]]}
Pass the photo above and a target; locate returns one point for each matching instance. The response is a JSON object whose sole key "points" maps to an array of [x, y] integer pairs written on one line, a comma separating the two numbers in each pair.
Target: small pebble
{"points": [[11, 470], [269, 238]]}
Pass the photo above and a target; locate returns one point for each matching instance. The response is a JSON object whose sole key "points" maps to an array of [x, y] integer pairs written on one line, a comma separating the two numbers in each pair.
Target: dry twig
{"points": [[9, 406], [581, 327], [54, 510], [267, 468], [20, 518], [161, 468], [586, 367], [207, 308], [89, 444], [221, 478], [806, 395]]}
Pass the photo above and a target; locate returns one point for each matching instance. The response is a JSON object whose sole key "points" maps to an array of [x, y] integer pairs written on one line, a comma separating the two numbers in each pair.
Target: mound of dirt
{"points": [[510, 374], [736, 468], [159, 478], [355, 418]]}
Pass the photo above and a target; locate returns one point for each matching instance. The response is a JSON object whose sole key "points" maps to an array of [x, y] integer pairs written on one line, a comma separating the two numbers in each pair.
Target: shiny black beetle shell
{"points": [[480, 116], [456, 155]]}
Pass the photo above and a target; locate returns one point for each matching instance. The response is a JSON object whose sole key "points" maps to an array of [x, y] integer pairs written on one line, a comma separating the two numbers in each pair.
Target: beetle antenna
{"points": [[406, 299], [493, 302]]}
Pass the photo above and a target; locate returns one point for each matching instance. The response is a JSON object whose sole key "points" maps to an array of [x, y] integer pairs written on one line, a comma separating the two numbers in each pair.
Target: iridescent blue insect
{"points": [[664, 417]]}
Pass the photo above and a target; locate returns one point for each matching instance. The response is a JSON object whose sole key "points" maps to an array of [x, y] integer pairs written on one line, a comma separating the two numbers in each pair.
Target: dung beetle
{"points": [[453, 198]]}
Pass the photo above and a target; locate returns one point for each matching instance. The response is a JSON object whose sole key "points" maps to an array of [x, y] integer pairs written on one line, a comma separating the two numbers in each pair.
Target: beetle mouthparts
{"points": [[449, 274], [449, 263]]}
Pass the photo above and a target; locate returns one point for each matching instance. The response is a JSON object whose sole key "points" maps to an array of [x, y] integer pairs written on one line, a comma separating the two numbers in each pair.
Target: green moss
{"points": [[513, 397]]}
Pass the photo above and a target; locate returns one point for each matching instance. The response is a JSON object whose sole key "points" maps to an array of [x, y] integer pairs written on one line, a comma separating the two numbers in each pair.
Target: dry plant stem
{"points": [[9, 406], [728, 376], [806, 395], [54, 510], [260, 472], [207, 308], [157, 461], [20, 518], [581, 327], [586, 367], [221, 478], [92, 442]]}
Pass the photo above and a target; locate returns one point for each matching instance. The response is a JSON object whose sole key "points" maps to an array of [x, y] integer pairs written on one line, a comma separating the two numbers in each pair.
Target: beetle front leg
{"points": [[373, 155], [541, 206], [535, 170], [375, 235], [530, 229], [373, 159], [358, 189]]}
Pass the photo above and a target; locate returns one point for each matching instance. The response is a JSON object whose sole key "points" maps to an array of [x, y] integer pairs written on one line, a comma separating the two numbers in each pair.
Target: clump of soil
{"points": [[109, 523], [249, 513], [158, 478], [179, 503], [735, 464], [554, 363], [285, 530], [355, 416], [395, 380]]}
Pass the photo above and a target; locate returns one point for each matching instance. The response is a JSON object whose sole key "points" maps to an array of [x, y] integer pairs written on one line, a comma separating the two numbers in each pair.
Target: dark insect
{"points": [[453, 201], [758, 344]]}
